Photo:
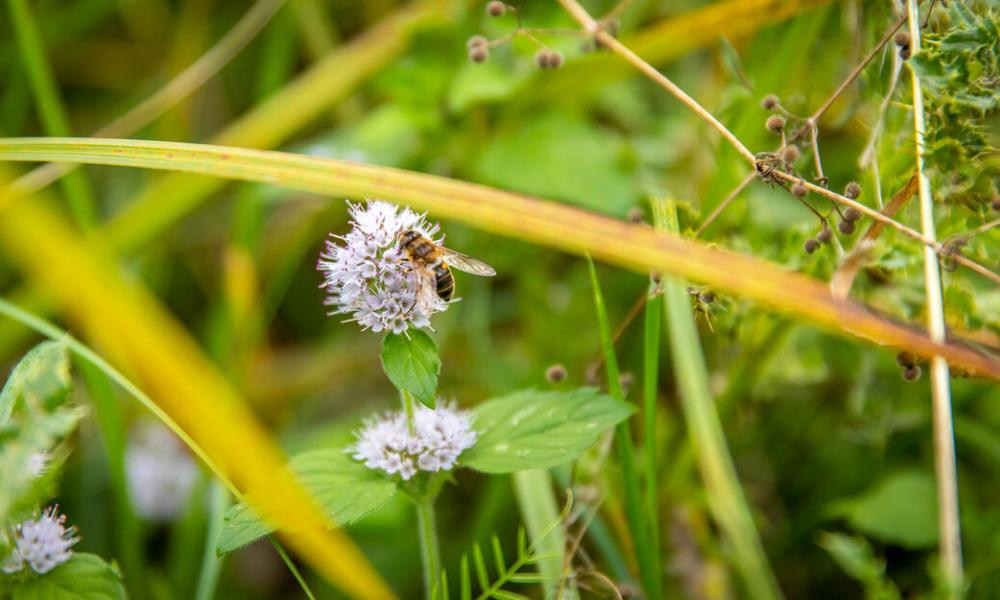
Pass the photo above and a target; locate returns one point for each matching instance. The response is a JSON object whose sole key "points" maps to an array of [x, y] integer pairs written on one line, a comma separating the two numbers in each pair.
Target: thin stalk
{"points": [[290, 564], [726, 499], [211, 562], [635, 508], [725, 203], [50, 107], [430, 550], [651, 369], [949, 529], [594, 28], [407, 399], [539, 511]]}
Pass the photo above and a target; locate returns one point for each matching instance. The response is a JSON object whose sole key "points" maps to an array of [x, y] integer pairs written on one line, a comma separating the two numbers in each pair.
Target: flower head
{"points": [[369, 276], [44, 543], [160, 472], [438, 437]]}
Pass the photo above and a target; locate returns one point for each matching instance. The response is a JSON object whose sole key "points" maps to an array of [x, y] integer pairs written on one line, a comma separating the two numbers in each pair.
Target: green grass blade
{"points": [[464, 578], [482, 575], [635, 512], [725, 496], [498, 559], [651, 367], [50, 106], [539, 511], [211, 562]]}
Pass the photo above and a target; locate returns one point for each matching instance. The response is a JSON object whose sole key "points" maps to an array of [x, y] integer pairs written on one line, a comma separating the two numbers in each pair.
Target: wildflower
{"points": [[160, 472], [370, 278], [44, 543], [437, 438]]}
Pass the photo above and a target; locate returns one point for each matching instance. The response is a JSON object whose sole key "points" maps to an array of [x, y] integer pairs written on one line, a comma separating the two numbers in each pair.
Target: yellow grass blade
{"points": [[144, 339], [635, 247]]}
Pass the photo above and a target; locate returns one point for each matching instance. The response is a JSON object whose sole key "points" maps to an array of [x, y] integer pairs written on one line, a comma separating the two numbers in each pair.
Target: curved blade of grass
{"points": [[636, 247], [635, 513], [725, 496], [140, 334], [650, 376]]}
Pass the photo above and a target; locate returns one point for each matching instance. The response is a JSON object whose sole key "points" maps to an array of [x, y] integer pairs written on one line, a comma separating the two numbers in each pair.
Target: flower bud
{"points": [[811, 245], [852, 190], [496, 8], [852, 214], [770, 102], [911, 373], [799, 190], [479, 54], [555, 373], [790, 154], [846, 227], [775, 123], [476, 41], [825, 235]]}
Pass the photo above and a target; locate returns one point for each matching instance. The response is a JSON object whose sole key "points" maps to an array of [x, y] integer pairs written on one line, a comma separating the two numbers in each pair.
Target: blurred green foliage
{"points": [[825, 434]]}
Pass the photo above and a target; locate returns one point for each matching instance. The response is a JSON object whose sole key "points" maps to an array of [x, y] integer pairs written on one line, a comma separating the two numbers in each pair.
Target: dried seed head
{"points": [[555, 59], [548, 59], [775, 123], [799, 190], [496, 8], [852, 214], [811, 245], [846, 227], [477, 41], [478, 54], [770, 102], [852, 190], [825, 235], [790, 154], [542, 58], [902, 39], [905, 359], [555, 373], [911, 373], [635, 215]]}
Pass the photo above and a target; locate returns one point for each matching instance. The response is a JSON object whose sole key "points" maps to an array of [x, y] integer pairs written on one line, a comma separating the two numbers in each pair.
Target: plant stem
{"points": [[291, 567], [944, 436], [408, 409], [651, 369], [211, 563], [430, 552], [537, 504]]}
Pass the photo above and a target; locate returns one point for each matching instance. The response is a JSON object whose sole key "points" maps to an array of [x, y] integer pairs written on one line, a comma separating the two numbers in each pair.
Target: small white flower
{"points": [[369, 276], [160, 472], [439, 436], [44, 543]]}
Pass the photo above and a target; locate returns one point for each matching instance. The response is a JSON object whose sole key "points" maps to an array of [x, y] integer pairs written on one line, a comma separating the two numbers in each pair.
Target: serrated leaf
{"points": [[533, 429], [41, 378], [82, 577], [900, 510], [412, 364], [346, 489]]}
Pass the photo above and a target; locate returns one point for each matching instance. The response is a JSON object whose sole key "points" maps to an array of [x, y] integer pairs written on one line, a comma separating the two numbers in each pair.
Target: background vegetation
{"points": [[832, 447]]}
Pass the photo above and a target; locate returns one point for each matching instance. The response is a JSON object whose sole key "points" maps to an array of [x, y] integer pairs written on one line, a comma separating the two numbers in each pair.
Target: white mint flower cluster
{"points": [[369, 276], [43, 543], [160, 472], [438, 437]]}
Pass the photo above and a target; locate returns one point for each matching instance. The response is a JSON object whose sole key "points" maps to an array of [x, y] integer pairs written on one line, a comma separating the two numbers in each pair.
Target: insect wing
{"points": [[457, 260]]}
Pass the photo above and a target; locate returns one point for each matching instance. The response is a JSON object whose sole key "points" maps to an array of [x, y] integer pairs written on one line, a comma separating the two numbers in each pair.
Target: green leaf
{"points": [[41, 379], [346, 489], [82, 577], [856, 558], [534, 430], [899, 510], [412, 364]]}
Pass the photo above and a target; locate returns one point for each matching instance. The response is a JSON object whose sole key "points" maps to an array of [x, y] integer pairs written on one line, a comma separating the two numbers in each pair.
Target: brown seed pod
{"points": [[811, 245], [905, 359], [846, 227], [477, 41], [770, 102], [479, 54], [496, 8], [790, 154], [799, 190], [555, 59], [556, 373], [902, 39], [542, 58], [852, 214], [825, 235], [911, 373], [852, 190], [775, 123]]}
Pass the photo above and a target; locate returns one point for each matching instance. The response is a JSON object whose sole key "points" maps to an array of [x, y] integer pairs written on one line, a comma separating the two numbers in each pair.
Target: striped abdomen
{"points": [[445, 281]]}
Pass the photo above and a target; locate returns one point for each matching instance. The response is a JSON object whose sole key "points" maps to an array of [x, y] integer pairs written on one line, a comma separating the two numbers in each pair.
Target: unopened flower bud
{"points": [[790, 154], [811, 245], [555, 373], [799, 190], [852, 190], [775, 123], [496, 8], [770, 102]]}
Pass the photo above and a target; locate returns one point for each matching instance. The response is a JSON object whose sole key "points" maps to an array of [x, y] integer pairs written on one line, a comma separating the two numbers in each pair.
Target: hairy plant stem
{"points": [[430, 552], [407, 398], [944, 436]]}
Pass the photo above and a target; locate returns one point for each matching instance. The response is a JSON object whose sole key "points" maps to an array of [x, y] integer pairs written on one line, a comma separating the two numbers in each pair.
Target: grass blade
{"points": [[211, 562], [539, 511], [725, 496], [651, 368], [625, 449], [482, 575], [465, 579], [547, 223]]}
